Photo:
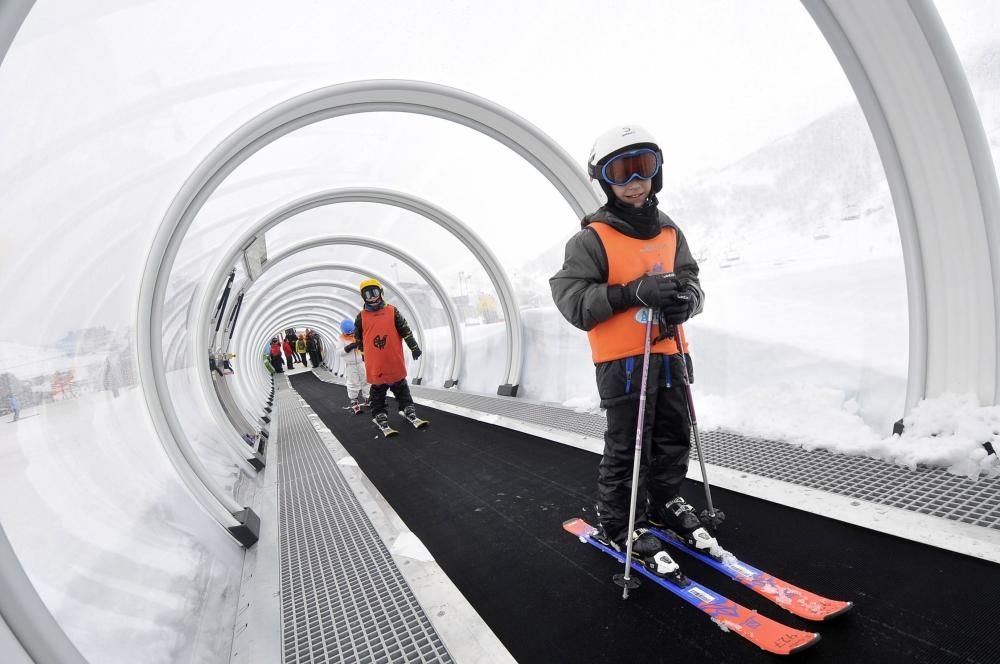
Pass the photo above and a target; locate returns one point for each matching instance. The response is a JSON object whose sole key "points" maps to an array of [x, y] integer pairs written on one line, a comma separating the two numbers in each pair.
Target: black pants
{"points": [[290, 361], [317, 360], [666, 441], [400, 390], [277, 363]]}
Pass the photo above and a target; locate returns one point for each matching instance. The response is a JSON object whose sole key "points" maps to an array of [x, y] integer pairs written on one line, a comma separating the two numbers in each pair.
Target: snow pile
{"points": [[950, 430], [811, 416]]}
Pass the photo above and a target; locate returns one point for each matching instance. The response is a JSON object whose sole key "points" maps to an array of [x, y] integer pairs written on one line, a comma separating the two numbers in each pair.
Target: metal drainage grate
{"points": [[932, 491], [342, 597]]}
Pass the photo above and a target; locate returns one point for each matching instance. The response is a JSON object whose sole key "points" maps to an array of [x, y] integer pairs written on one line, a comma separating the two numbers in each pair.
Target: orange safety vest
{"points": [[623, 335], [384, 362]]}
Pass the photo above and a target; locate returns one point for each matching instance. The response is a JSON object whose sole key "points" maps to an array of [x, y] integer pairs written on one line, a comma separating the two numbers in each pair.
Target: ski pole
{"points": [[625, 581], [694, 421]]}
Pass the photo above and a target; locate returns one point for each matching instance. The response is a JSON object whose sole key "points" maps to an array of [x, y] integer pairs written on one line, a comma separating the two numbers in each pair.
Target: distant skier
{"points": [[380, 331], [629, 256], [276, 362], [289, 351], [291, 339], [15, 407], [357, 383], [301, 350], [314, 348]]}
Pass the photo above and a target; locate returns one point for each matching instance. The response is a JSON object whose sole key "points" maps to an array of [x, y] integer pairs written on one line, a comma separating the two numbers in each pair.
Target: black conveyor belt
{"points": [[489, 503]]}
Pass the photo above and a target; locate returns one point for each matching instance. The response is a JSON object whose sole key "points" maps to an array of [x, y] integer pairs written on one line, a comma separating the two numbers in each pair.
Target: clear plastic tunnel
{"points": [[130, 195]]}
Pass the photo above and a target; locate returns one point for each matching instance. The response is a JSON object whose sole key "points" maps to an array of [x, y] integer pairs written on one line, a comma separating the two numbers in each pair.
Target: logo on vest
{"points": [[641, 316], [380, 341]]}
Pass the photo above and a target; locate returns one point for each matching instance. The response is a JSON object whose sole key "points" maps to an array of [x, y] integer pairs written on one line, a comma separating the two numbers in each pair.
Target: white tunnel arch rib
{"points": [[916, 98]]}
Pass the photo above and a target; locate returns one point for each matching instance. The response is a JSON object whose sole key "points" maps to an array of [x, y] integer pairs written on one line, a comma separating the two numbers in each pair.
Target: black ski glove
{"points": [[416, 353], [651, 290], [677, 308], [350, 347]]}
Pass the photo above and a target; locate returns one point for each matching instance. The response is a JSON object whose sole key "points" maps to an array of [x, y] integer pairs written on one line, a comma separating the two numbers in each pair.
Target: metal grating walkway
{"points": [[342, 597], [932, 491]]}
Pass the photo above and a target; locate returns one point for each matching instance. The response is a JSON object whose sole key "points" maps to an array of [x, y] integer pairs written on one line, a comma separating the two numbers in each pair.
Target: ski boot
{"points": [[410, 415], [382, 422], [356, 406], [648, 551], [679, 517]]}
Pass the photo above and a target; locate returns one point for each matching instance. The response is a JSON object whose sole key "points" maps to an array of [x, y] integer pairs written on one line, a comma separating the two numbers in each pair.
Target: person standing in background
{"points": [[301, 350], [289, 354]]}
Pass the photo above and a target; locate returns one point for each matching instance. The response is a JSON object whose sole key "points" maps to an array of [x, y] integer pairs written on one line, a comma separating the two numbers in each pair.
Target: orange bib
{"points": [[623, 335], [384, 362]]}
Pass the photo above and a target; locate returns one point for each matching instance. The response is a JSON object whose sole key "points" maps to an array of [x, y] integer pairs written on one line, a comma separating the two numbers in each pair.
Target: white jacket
{"points": [[354, 370]]}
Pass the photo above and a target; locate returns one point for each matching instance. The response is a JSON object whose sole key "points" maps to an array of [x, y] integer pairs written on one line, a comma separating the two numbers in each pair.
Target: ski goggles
{"points": [[371, 293], [642, 164]]}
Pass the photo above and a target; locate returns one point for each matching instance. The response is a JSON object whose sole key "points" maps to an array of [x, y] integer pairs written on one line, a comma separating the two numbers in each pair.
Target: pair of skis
{"points": [[763, 632], [389, 432]]}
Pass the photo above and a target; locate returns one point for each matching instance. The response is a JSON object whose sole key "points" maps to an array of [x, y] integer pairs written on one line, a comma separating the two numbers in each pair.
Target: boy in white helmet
{"points": [[627, 257]]}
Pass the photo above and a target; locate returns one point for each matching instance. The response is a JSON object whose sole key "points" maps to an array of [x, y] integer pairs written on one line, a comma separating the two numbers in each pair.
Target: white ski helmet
{"points": [[615, 141]]}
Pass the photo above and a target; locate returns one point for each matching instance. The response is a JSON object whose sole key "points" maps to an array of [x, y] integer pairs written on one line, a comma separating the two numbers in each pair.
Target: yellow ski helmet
{"points": [[371, 290]]}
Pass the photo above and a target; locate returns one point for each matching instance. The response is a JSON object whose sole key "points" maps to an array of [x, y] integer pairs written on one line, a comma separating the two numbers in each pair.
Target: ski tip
{"points": [[805, 646], [846, 608], [578, 527]]}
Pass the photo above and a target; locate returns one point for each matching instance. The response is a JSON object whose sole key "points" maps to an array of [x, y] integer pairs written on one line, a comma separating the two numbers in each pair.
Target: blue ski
{"points": [[802, 603], [763, 632]]}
